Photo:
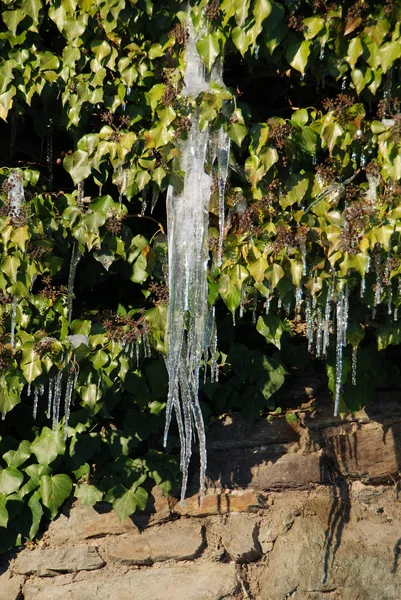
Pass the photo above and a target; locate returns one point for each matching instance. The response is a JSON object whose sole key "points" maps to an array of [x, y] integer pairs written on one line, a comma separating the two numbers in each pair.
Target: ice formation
{"points": [[191, 329]]}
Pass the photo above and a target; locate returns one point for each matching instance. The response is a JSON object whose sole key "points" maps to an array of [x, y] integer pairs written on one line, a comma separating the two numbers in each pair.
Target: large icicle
{"points": [[189, 322]]}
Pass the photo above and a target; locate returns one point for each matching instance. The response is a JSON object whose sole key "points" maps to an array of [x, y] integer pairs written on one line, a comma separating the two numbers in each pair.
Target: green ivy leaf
{"points": [[272, 328], [48, 445], [298, 55], [128, 500], [3, 511], [208, 48], [77, 165], [15, 458], [88, 494], [10, 480], [54, 490]]}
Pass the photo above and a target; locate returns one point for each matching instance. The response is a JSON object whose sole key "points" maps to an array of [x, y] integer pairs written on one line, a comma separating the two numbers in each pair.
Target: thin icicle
{"points": [[339, 349], [298, 299], [309, 323], [327, 315], [75, 258], [57, 398], [267, 304], [345, 314], [29, 390], [80, 194], [69, 391], [319, 332], [50, 397], [223, 158], [13, 320], [35, 401], [354, 364], [378, 289]]}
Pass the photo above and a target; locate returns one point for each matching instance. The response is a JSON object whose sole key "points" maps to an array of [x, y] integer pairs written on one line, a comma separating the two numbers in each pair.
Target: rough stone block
{"points": [[266, 470], [10, 587], [177, 541], [234, 431], [240, 538], [189, 582], [48, 563], [220, 504], [85, 522], [368, 451]]}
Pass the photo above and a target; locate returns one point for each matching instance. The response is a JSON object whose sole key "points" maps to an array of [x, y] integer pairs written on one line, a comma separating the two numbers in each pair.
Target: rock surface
{"points": [[192, 582], [48, 563], [318, 517], [175, 541]]}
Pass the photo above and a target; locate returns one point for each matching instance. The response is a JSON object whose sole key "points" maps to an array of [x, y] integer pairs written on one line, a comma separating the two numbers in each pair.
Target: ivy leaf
{"points": [[241, 358], [12, 18], [272, 328], [10, 480], [88, 494], [208, 48], [3, 511], [32, 8], [126, 501], [229, 293], [54, 490], [355, 50], [389, 53], [30, 363], [10, 393], [312, 26], [252, 403], [48, 445], [35, 505], [15, 458], [77, 165], [298, 55]]}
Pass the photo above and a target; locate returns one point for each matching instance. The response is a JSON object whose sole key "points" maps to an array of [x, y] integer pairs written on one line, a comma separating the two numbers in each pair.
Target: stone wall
{"points": [[293, 511]]}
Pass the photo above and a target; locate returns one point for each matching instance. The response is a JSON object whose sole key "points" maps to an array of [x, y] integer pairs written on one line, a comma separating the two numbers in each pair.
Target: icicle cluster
{"points": [[191, 328]]}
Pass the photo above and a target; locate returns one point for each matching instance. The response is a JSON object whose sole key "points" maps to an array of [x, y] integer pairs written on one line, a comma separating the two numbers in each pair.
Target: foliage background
{"points": [[91, 119]]}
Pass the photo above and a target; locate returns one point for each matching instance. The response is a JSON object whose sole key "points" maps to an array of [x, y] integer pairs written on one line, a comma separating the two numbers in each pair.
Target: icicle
{"points": [[15, 194], [35, 401], [254, 316], [345, 314], [233, 315], [363, 287], [187, 225], [322, 51], [69, 391], [303, 252], [29, 390], [122, 184], [50, 397], [327, 314], [344, 83], [42, 389], [339, 349], [223, 157], [309, 322], [75, 258], [378, 285], [354, 364], [13, 320], [395, 315], [298, 299], [319, 333], [80, 194], [49, 155], [137, 352], [267, 304], [214, 367], [279, 302], [57, 398], [155, 197]]}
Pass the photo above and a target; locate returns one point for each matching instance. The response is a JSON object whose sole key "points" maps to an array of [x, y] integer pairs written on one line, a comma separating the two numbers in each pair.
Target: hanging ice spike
{"points": [[190, 325]]}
